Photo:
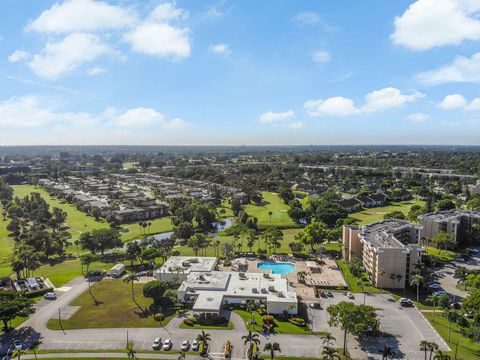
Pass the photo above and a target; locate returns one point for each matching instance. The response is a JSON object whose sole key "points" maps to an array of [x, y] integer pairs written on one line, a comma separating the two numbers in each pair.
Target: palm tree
{"points": [[131, 353], [252, 306], [439, 355], [302, 275], [327, 339], [270, 213], [432, 347], [272, 348], [381, 272], [204, 338], [387, 352], [181, 356], [131, 278], [34, 348], [416, 280], [249, 339], [330, 353], [18, 353], [434, 300], [424, 346]]}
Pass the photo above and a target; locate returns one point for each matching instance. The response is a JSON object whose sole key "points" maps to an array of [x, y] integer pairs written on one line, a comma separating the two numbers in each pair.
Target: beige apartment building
{"points": [[389, 250], [460, 224]]}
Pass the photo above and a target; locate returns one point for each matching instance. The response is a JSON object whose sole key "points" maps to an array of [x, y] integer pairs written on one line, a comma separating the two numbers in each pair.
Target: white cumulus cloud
{"points": [[462, 69], [167, 11], [378, 100], [453, 101], [18, 55], [95, 71], [272, 117], [82, 16], [431, 23], [59, 58]]}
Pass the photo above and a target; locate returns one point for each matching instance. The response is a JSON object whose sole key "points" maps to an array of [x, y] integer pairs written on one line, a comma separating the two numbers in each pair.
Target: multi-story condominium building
{"points": [[460, 224], [389, 250]]}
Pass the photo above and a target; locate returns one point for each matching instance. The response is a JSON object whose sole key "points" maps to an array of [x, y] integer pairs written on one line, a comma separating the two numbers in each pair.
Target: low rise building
{"points": [[209, 290], [389, 250]]}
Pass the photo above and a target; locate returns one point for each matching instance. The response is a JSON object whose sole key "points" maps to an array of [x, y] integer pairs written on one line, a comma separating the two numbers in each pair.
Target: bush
{"points": [[159, 317], [297, 321], [262, 311], [188, 322], [267, 318], [36, 293]]}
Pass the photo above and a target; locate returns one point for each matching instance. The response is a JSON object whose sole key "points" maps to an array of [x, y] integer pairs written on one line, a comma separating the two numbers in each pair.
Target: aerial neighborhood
{"points": [[205, 259]]}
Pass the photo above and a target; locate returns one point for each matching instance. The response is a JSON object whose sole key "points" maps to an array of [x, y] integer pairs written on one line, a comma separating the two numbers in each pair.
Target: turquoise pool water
{"points": [[277, 267]]}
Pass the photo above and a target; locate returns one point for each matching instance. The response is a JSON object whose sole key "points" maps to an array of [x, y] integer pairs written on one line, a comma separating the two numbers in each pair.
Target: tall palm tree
{"points": [[330, 353], [433, 299], [272, 348], [131, 278], [327, 339], [416, 280], [249, 339], [181, 356], [204, 338], [387, 352], [131, 353], [432, 347], [424, 346]]}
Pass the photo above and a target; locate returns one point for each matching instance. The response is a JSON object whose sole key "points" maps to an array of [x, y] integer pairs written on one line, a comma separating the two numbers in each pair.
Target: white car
{"points": [[157, 343], [195, 345], [167, 344], [17, 344], [350, 296], [185, 345], [50, 296]]}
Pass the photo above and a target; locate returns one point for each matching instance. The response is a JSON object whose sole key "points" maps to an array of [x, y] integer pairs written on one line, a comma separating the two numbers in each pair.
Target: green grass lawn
{"points": [[288, 236], [134, 231], [282, 327], [116, 308], [467, 349], [278, 208], [369, 215], [6, 244], [442, 255], [352, 280]]}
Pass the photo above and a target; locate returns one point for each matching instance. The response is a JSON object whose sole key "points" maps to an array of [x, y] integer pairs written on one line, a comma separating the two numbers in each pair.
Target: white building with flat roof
{"points": [[209, 291], [177, 268]]}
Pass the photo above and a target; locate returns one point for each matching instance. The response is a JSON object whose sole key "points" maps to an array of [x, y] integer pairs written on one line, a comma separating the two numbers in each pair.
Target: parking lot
{"points": [[405, 327]]}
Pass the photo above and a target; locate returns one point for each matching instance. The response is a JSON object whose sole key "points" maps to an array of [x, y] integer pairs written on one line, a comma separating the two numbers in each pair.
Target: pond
{"points": [[219, 226]]}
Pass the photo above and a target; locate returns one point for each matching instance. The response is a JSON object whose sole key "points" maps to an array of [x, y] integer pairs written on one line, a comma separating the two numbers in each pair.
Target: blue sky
{"points": [[271, 72]]}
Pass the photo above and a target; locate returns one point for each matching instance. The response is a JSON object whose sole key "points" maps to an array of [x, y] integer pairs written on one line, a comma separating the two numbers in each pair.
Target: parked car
{"points": [[185, 345], [434, 286], [323, 294], [350, 296], [17, 344], [440, 292], [406, 302], [50, 296], [462, 260], [167, 344], [329, 294], [157, 343], [195, 345], [315, 305], [456, 305]]}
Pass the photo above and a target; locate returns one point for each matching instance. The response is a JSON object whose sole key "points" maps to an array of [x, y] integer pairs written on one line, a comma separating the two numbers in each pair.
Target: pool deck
{"points": [[328, 276]]}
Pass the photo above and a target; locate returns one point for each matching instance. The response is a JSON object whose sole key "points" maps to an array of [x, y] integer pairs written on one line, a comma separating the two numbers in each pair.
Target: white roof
{"points": [[187, 264], [208, 301]]}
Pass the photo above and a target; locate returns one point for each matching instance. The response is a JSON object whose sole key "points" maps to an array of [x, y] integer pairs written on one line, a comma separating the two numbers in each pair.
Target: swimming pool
{"points": [[277, 267]]}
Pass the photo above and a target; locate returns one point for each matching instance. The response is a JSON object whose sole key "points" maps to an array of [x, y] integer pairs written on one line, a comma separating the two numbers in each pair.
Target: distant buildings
{"points": [[389, 250], [457, 223]]}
